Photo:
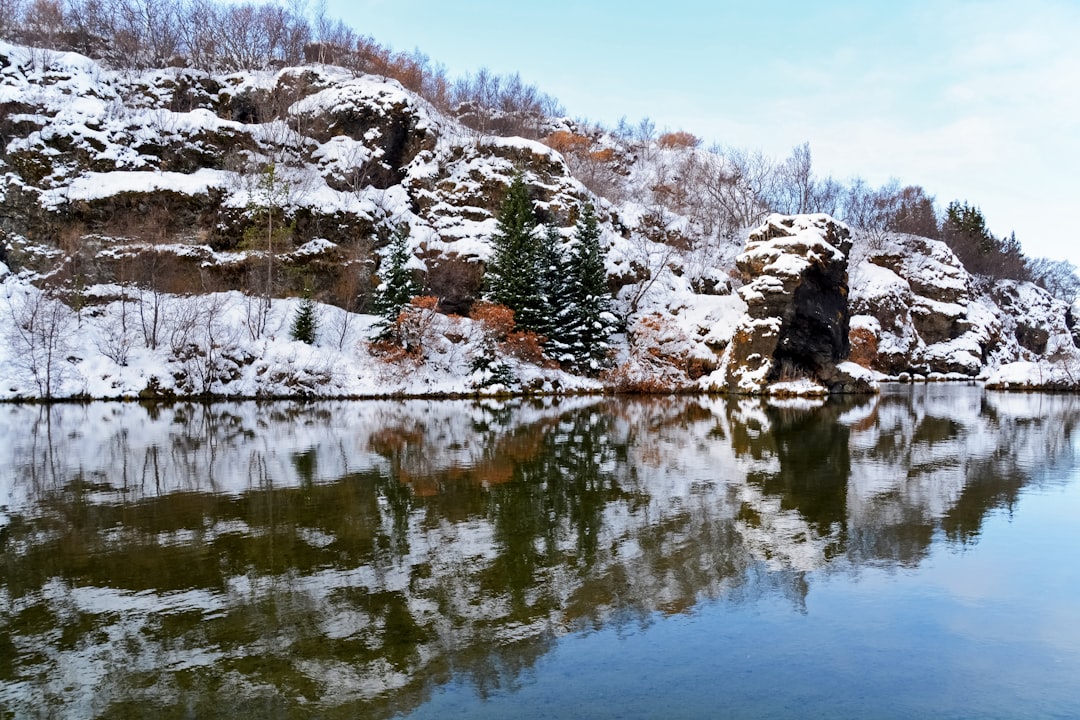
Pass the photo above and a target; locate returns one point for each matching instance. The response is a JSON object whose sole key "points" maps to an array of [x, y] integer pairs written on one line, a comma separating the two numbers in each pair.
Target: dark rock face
{"points": [[1070, 323], [816, 336], [796, 323]]}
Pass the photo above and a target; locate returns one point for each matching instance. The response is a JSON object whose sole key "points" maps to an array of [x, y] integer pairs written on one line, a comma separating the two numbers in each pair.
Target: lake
{"points": [[907, 555]]}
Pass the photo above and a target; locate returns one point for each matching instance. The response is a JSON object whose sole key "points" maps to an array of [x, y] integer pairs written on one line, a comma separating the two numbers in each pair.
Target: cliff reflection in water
{"points": [[345, 559]]}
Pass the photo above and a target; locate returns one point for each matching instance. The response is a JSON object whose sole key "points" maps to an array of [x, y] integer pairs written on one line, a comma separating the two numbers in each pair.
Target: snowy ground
{"points": [[210, 345]]}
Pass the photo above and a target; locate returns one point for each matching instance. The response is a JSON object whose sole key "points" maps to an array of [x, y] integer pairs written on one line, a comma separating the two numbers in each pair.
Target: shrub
{"points": [[526, 346], [496, 320], [603, 156], [678, 139], [412, 329], [567, 142], [644, 374]]}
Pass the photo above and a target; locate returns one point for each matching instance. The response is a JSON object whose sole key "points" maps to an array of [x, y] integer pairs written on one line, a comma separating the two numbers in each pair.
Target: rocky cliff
{"points": [[917, 311], [117, 186]]}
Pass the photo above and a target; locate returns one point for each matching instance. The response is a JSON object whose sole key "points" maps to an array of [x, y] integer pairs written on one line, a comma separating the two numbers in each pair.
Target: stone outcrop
{"points": [[164, 174], [916, 310], [386, 124], [794, 334]]}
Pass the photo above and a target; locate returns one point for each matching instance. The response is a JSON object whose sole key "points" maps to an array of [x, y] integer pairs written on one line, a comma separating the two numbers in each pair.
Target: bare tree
{"points": [[491, 103], [144, 32], [198, 31], [739, 187], [10, 17], [270, 199], [40, 332], [889, 209], [651, 254], [865, 212], [1057, 277], [117, 333], [913, 212], [794, 188], [44, 23], [208, 341]]}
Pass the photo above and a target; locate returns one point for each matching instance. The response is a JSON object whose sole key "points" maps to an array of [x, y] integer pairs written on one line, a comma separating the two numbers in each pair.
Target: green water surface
{"points": [[902, 556]]}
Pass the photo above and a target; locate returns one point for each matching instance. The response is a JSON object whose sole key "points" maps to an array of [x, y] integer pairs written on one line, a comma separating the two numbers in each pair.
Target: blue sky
{"points": [[976, 101]]}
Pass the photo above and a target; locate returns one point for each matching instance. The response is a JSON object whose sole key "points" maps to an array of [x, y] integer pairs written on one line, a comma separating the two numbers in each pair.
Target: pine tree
{"points": [[589, 321], [513, 274], [398, 285], [305, 325], [965, 232], [555, 289]]}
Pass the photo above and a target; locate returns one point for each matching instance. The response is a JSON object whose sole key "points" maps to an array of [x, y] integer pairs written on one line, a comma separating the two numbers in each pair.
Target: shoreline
{"points": [[510, 395]]}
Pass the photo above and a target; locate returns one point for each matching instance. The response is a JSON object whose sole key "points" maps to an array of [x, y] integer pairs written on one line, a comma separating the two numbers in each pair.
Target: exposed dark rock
{"points": [[926, 314], [937, 322], [1073, 325]]}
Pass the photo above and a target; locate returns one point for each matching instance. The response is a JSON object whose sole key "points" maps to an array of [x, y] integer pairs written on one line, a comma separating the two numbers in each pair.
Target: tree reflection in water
{"points": [[345, 559]]}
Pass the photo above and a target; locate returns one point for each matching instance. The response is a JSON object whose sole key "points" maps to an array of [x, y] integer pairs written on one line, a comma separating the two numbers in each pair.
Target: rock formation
{"points": [[794, 334], [916, 310]]}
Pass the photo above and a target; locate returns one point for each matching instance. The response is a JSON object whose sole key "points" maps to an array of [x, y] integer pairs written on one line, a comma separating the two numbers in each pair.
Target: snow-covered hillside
{"points": [[174, 216]]}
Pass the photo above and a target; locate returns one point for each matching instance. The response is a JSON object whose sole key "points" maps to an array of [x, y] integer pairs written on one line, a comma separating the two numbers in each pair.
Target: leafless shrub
{"points": [[182, 324], [1057, 277], [737, 188], [339, 328], [413, 329], [202, 342], [40, 334], [10, 16], [153, 309], [117, 334], [256, 315], [651, 253]]}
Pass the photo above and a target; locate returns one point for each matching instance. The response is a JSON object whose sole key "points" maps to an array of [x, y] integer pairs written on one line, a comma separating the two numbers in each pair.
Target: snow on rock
{"points": [[393, 124], [916, 311], [795, 329], [94, 185]]}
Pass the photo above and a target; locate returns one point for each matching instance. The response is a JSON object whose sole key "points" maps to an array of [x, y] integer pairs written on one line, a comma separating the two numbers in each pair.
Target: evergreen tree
{"points": [[965, 232], [513, 274], [305, 325], [397, 286], [555, 289], [589, 320]]}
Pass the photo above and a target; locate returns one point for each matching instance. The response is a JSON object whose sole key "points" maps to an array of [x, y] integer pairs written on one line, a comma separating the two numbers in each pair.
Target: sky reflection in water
{"points": [[906, 555]]}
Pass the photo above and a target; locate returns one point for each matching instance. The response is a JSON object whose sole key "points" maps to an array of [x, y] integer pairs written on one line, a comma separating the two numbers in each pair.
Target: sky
{"points": [[974, 101]]}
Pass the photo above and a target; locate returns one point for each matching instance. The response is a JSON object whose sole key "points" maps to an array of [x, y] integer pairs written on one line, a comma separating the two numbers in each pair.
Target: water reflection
{"points": [[345, 559]]}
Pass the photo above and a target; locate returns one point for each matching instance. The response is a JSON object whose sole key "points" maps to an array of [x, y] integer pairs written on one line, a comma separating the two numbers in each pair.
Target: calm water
{"points": [[909, 555]]}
